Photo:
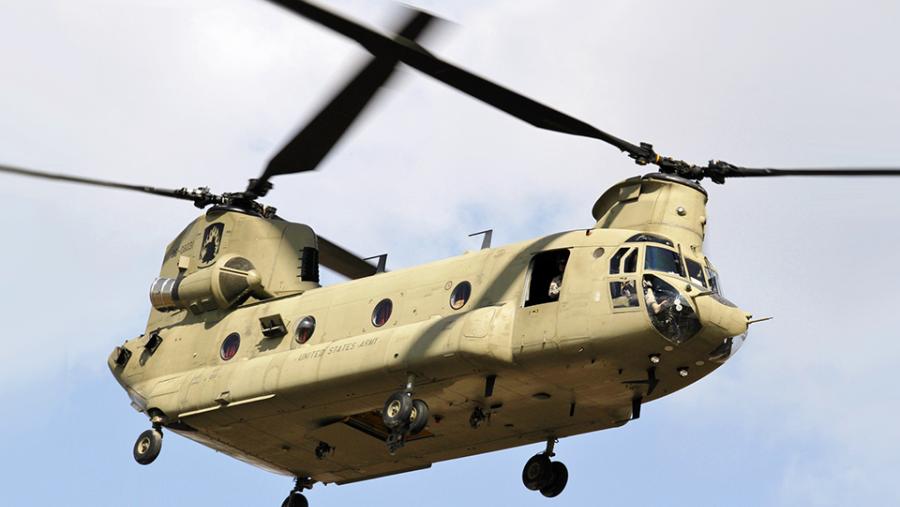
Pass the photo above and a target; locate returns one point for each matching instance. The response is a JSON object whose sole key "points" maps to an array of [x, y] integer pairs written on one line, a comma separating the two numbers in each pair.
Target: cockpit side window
{"points": [[663, 260], [631, 262], [616, 265], [616, 261], [695, 272], [623, 294]]}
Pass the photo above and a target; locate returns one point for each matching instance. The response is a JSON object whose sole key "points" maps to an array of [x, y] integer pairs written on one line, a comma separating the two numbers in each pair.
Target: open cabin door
{"points": [[543, 289]]}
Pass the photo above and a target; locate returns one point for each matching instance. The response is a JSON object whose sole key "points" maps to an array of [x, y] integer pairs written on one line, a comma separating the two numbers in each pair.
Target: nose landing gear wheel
{"points": [[147, 446], [295, 499]]}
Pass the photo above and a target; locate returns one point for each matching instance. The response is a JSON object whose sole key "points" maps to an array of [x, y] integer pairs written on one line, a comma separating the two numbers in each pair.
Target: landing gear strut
{"points": [[296, 498], [404, 416], [542, 474]]}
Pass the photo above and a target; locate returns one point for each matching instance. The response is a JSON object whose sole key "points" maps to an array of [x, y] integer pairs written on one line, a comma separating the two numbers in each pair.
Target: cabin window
{"points": [[305, 329], [382, 312], [230, 346], [695, 273], [545, 277], [460, 295]]}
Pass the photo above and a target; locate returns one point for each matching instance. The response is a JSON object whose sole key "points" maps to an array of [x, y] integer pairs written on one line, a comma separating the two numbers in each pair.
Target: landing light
{"points": [[654, 358], [683, 372]]}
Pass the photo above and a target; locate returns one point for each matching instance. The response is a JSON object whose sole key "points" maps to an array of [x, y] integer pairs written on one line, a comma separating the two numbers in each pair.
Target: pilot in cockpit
{"points": [[658, 303], [650, 298]]}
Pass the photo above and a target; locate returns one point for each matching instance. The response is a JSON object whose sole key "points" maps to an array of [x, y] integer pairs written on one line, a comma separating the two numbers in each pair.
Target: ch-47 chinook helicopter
{"points": [[393, 371]]}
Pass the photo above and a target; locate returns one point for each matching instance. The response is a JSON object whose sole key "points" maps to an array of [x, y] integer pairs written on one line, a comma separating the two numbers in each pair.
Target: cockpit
{"points": [[671, 311]]}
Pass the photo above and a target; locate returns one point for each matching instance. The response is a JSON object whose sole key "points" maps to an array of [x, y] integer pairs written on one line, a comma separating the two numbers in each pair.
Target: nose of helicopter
{"points": [[725, 323], [722, 315]]}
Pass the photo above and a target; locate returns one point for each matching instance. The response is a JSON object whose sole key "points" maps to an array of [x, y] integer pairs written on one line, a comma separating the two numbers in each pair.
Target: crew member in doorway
{"points": [[556, 282]]}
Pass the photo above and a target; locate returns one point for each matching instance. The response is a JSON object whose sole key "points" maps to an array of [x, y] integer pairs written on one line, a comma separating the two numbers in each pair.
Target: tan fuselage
{"points": [[561, 367]]}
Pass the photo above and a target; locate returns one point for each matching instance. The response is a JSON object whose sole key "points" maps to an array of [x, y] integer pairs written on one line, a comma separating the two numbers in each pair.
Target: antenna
{"points": [[382, 262], [486, 241]]}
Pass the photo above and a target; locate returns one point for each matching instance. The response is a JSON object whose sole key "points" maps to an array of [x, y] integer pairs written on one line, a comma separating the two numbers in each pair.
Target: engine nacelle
{"points": [[226, 283]]}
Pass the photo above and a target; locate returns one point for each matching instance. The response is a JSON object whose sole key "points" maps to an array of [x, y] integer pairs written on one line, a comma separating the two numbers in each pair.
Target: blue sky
{"points": [[175, 93]]}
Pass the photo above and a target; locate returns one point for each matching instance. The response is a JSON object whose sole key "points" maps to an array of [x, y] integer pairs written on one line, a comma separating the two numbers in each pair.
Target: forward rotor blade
{"points": [[200, 197], [746, 172], [531, 111], [506, 100], [342, 261], [314, 141], [719, 171]]}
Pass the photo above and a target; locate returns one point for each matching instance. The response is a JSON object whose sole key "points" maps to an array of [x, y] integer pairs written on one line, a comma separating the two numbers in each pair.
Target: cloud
{"points": [[176, 94]]}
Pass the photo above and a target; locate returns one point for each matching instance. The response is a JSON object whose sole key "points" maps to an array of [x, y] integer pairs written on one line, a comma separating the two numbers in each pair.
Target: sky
{"points": [[202, 93]]}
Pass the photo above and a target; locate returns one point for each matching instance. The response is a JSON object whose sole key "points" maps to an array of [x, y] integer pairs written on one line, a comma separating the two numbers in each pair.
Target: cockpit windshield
{"points": [[713, 279], [663, 260], [695, 273], [715, 286]]}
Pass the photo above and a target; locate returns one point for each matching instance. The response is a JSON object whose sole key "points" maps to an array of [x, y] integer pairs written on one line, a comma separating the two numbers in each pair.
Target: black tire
{"points": [[147, 446], [295, 500], [560, 478], [537, 473], [396, 410], [418, 418]]}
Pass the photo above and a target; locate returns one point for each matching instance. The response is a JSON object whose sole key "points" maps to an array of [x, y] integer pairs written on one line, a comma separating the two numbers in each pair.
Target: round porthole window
{"points": [[305, 328], [230, 346], [382, 312], [460, 295]]}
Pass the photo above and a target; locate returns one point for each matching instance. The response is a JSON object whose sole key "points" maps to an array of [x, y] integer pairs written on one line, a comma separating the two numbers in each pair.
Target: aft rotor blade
{"points": [[415, 56], [200, 197], [314, 141], [343, 261]]}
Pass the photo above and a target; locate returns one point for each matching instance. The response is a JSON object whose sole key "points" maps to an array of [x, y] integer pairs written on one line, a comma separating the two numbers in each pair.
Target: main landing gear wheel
{"points": [[418, 417], [558, 483], [403, 416], [147, 446], [397, 410], [541, 474], [538, 472], [295, 499]]}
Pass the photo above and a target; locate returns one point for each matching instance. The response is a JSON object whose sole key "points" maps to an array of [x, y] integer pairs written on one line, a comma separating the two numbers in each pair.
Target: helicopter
{"points": [[411, 443]]}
